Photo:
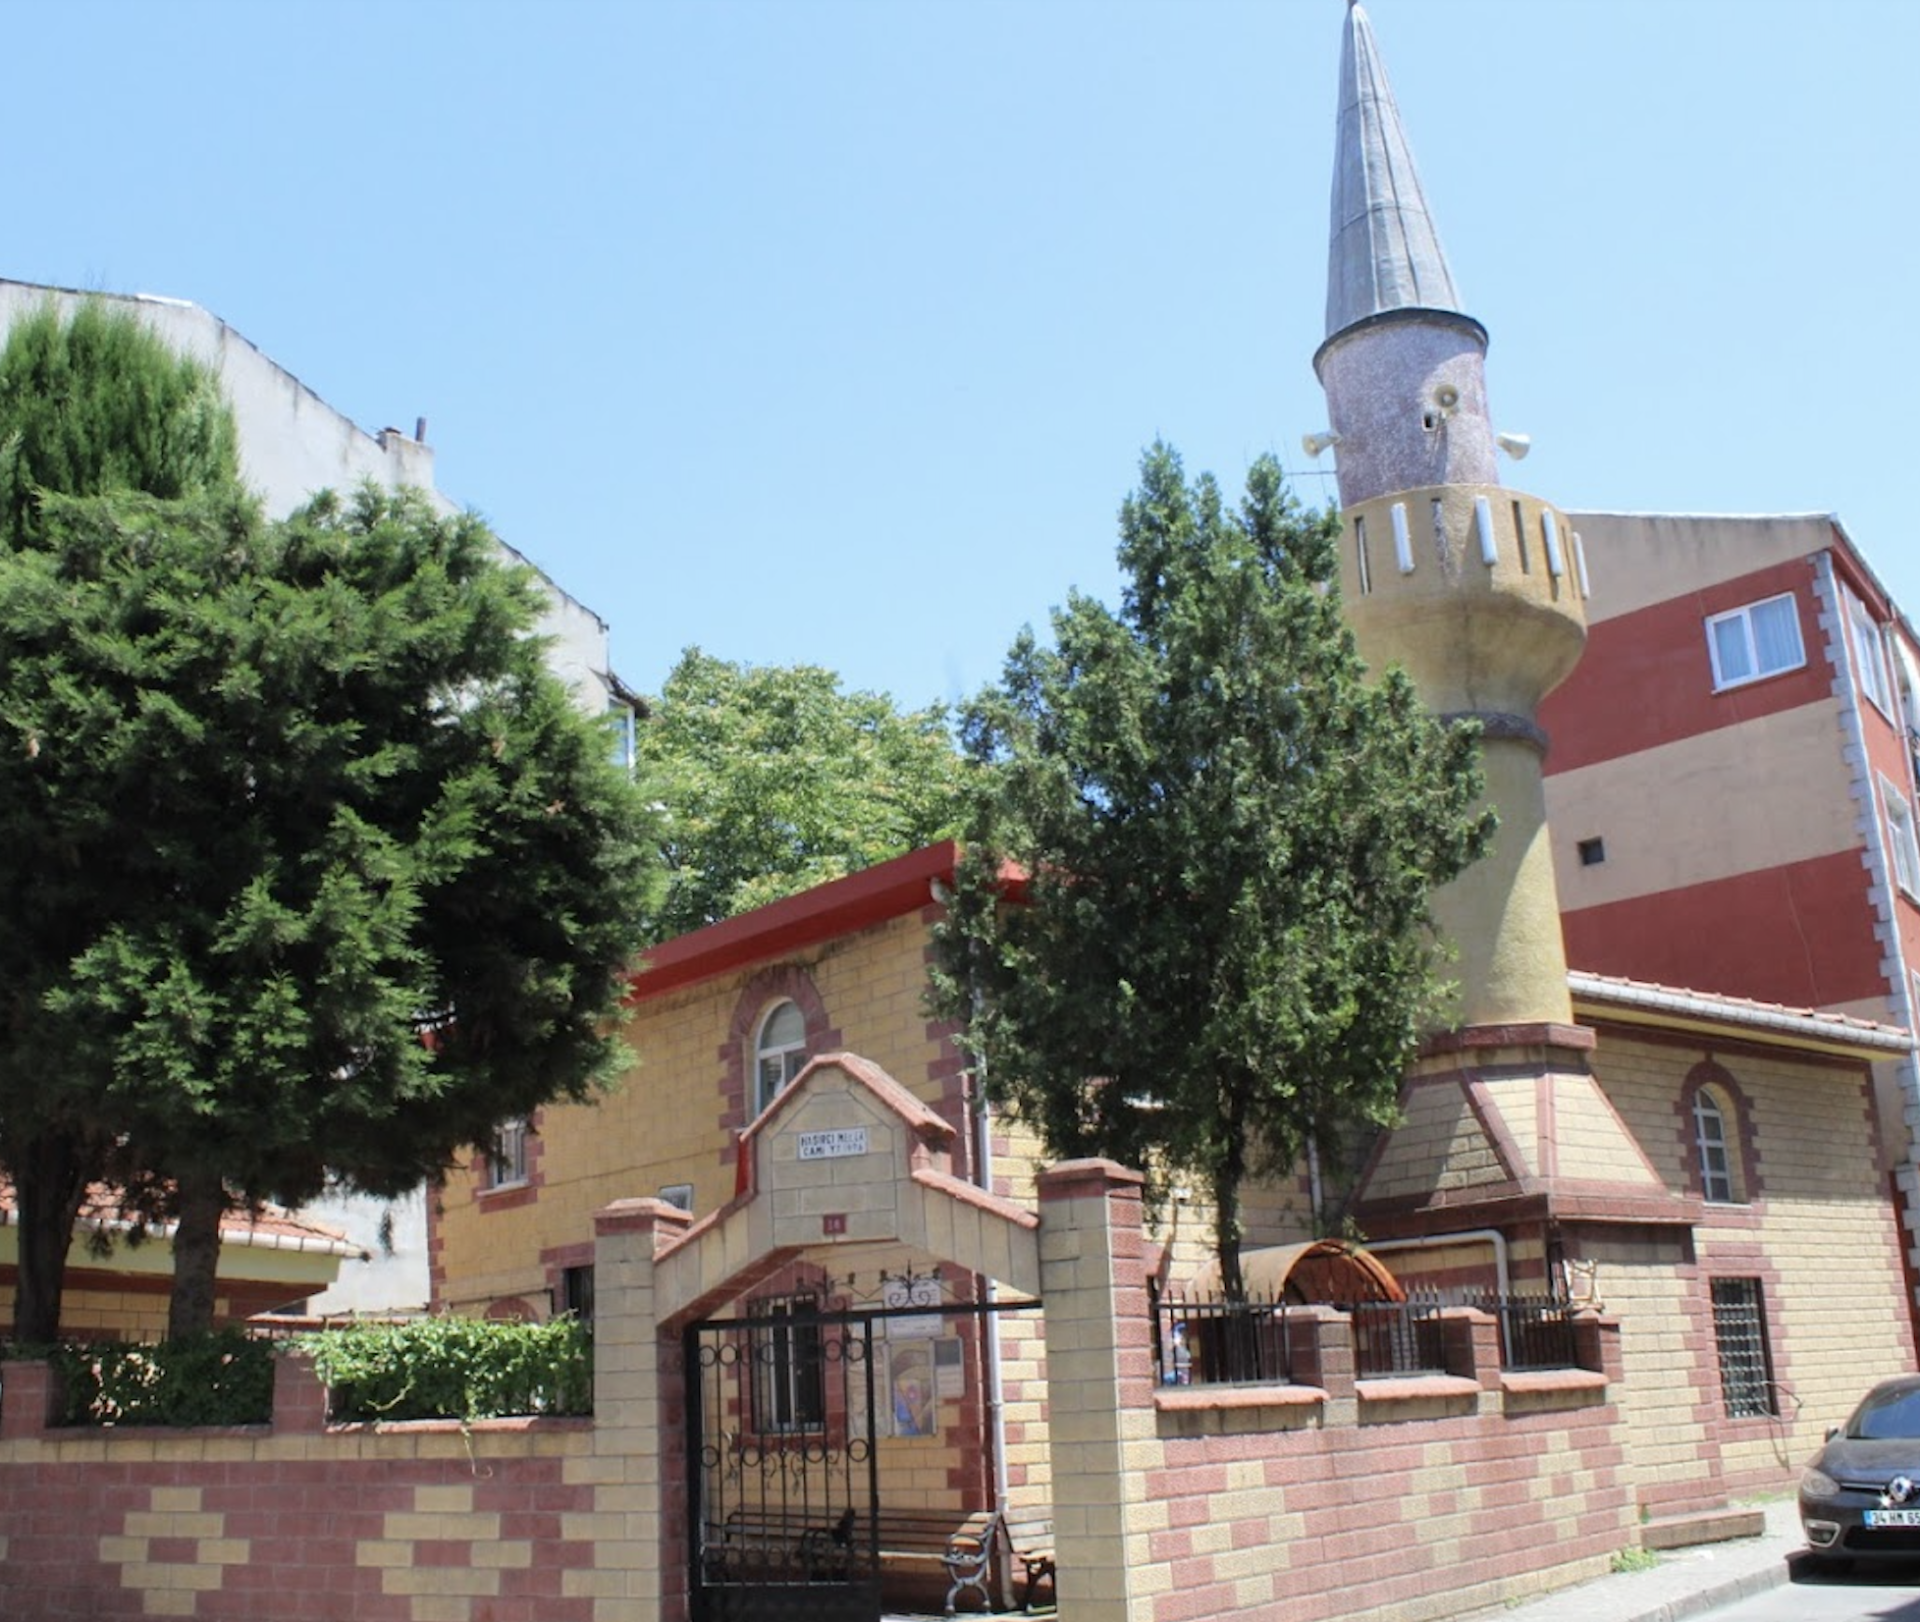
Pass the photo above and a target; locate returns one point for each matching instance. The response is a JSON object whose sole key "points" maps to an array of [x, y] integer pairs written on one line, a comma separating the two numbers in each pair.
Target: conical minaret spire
{"points": [[1384, 250], [1403, 365]]}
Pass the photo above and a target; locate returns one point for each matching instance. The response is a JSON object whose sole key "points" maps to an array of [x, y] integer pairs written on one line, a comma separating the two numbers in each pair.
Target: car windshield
{"points": [[1887, 1415]]}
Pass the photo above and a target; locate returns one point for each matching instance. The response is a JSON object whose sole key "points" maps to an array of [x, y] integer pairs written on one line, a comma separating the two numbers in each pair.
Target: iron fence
{"points": [[1536, 1331], [1397, 1338], [1209, 1340]]}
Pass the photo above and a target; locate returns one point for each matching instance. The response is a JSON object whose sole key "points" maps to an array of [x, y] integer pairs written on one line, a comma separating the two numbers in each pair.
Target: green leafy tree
{"points": [[316, 871], [1220, 949], [94, 403], [89, 404], [775, 780]]}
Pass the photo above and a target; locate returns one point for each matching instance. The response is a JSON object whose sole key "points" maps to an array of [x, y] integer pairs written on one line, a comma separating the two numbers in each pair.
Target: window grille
{"points": [[789, 1384], [1746, 1361]]}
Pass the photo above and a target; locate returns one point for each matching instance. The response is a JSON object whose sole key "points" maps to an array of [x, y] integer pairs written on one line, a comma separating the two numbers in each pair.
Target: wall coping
{"points": [[1530, 1380], [1186, 1399], [1416, 1388]]}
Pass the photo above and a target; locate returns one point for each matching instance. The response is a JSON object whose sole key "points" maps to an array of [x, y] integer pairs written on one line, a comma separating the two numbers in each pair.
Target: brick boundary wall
{"points": [[1399, 1500], [1389, 1501], [293, 1520]]}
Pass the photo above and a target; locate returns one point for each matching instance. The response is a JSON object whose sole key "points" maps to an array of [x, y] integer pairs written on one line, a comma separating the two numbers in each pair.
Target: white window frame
{"points": [[1869, 655], [776, 1063], [1903, 851], [1750, 644], [1713, 1149], [507, 1154]]}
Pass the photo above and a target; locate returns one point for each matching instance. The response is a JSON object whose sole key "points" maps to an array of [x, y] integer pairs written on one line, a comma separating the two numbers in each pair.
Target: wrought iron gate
{"points": [[781, 1466]]}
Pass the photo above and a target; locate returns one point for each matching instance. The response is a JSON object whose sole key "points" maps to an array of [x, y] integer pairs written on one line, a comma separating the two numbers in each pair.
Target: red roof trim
{"points": [[889, 890]]}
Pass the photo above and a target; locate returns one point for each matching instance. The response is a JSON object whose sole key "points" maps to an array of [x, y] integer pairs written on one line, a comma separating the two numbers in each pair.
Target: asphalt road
{"points": [[1866, 1594]]}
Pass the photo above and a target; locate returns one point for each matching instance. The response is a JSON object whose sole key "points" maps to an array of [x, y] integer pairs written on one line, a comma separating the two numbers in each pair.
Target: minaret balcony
{"points": [[1478, 592]]}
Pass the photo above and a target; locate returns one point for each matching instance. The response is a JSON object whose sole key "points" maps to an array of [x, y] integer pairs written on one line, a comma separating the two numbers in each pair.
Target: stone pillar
{"points": [[1099, 1385], [1470, 1345], [639, 1564], [26, 1400], [1596, 1340], [299, 1399]]}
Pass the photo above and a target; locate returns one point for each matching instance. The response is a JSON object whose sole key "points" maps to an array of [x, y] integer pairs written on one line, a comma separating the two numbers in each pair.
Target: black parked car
{"points": [[1860, 1497]]}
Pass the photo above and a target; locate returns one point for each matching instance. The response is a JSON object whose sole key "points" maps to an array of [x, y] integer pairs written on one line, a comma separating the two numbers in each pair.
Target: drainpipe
{"points": [[996, 1389], [990, 1341]]}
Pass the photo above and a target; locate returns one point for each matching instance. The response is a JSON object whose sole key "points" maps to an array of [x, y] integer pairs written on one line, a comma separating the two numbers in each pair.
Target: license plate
{"points": [[1893, 1517]]}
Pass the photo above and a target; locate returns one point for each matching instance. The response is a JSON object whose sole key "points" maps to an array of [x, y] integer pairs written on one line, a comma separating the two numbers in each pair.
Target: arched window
{"points": [[1713, 1145], [780, 1053]]}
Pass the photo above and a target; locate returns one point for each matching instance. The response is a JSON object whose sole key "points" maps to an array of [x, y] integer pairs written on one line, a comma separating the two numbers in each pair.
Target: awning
{"points": [[1327, 1270]]}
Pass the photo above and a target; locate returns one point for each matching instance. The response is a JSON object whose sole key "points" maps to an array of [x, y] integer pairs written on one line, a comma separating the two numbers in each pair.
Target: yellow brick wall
{"points": [[1818, 1231], [664, 1122]]}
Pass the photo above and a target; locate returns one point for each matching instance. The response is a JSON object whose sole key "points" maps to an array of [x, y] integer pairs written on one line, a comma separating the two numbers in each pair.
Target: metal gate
{"points": [[781, 1465]]}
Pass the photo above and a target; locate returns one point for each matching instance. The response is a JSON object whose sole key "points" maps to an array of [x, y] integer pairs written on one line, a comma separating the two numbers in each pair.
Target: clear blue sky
{"points": [[831, 330]]}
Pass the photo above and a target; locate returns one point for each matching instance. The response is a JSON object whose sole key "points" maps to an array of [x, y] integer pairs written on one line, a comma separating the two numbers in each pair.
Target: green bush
{"points": [[454, 1368], [220, 1378]]}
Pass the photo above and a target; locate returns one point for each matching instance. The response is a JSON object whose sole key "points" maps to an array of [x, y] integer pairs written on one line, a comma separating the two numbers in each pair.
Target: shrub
{"points": [[219, 1378], [454, 1368]]}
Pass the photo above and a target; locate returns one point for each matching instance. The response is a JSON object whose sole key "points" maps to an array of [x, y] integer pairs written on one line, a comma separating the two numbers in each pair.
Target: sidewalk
{"points": [[1686, 1582]]}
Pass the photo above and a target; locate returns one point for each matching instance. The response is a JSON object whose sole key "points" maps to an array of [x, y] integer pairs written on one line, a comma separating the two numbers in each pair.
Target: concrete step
{"points": [[1694, 1526]]}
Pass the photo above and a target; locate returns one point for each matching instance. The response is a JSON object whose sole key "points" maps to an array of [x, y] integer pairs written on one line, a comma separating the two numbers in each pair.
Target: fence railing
{"points": [[1209, 1340], [1397, 1338], [1536, 1331]]}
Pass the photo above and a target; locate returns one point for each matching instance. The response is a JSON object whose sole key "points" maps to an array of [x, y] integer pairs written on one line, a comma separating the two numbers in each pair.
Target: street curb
{"points": [[1729, 1592]]}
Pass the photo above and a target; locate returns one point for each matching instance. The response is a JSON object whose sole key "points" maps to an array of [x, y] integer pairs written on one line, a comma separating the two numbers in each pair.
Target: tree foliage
{"points": [[316, 871], [1222, 951], [95, 403], [775, 780]]}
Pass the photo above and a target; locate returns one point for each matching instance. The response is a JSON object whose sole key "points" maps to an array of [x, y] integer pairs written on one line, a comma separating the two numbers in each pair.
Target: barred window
{"points": [[1740, 1336], [789, 1384]]}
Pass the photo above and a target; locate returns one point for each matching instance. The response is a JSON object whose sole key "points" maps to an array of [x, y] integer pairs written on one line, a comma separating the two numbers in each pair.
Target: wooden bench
{"points": [[1029, 1535], [758, 1543], [955, 1543], [959, 1546]]}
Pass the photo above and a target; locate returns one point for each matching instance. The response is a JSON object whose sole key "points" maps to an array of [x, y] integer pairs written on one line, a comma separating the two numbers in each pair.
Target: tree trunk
{"points": [[196, 1254], [50, 1176]]}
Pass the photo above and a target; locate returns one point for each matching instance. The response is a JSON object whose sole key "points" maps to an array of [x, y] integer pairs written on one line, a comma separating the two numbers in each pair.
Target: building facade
{"points": [[1732, 780]]}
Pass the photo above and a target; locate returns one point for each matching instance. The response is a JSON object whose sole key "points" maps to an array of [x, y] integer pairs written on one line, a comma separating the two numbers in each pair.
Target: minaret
{"points": [[1475, 590]]}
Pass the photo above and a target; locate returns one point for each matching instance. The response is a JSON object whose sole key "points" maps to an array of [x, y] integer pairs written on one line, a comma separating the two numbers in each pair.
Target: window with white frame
{"points": [[1761, 639], [1710, 1145], [781, 1052], [1869, 655], [1900, 839], [507, 1154]]}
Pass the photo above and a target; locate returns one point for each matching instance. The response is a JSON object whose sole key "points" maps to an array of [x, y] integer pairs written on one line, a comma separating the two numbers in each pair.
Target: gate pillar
{"points": [[1099, 1383], [639, 1529]]}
